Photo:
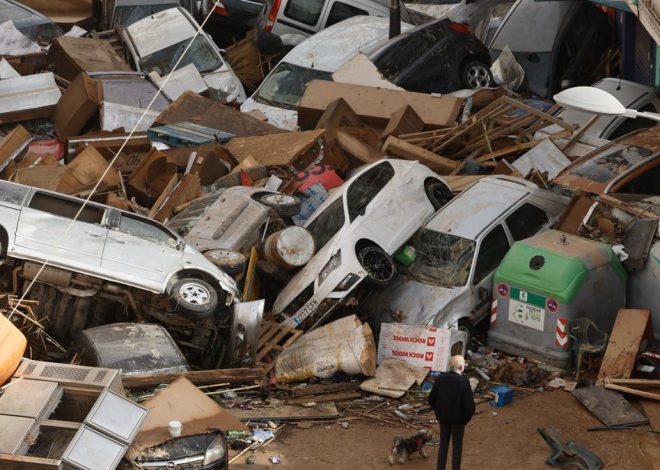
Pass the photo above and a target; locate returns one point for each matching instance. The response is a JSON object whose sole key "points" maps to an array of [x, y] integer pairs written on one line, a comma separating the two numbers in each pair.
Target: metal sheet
{"points": [[545, 157], [245, 331], [16, 432], [44, 397], [115, 116], [116, 416], [91, 450], [609, 406]]}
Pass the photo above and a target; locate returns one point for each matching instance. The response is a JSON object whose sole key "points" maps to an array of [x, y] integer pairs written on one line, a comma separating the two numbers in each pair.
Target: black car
{"points": [[232, 19], [31, 23], [438, 57]]}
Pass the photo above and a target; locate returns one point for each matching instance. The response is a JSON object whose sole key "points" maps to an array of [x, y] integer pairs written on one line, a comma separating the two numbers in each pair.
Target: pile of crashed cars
{"points": [[149, 229]]}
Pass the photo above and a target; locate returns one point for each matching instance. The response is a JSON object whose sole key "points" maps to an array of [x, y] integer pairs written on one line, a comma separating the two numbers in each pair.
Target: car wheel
{"points": [[476, 74], [231, 262], [273, 272], [195, 298], [438, 193], [378, 265], [282, 204]]}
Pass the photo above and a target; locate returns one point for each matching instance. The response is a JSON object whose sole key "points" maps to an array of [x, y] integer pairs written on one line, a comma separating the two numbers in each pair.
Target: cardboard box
{"points": [[375, 106], [79, 103], [419, 346], [70, 56]]}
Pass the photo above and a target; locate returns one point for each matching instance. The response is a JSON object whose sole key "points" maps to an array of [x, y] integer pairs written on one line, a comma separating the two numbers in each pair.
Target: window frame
{"points": [[518, 208], [118, 216], [378, 167], [500, 225], [327, 22], [72, 201], [287, 15]]}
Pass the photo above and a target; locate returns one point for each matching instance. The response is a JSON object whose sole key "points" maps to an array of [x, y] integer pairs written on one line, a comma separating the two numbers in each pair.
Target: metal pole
{"points": [[395, 18]]}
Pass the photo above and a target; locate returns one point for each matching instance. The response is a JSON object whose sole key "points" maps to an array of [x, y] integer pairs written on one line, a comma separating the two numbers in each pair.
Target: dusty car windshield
{"points": [[201, 55], [127, 15], [328, 223], [611, 163], [286, 84], [442, 259]]}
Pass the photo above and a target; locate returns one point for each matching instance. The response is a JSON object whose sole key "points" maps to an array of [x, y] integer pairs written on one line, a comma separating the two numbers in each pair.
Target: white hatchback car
{"points": [[449, 283], [356, 230]]}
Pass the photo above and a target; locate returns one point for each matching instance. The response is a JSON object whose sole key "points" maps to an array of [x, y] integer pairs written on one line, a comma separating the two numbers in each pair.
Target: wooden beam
{"points": [[56, 423], [632, 391], [24, 462], [636, 382], [198, 377], [402, 149]]}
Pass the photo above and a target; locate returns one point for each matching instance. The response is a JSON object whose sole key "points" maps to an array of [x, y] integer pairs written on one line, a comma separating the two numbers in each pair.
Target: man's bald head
{"points": [[457, 363]]}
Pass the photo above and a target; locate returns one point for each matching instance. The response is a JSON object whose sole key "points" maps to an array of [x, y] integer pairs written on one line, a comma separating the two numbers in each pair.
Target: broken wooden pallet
{"points": [[275, 337]]}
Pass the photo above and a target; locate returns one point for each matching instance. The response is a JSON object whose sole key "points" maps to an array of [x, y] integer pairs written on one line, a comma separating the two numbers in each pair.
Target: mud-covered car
{"points": [[31, 23], [121, 249], [356, 230], [449, 283]]}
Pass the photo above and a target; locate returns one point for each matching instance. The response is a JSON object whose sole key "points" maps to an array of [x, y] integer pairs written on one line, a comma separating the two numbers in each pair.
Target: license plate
{"points": [[527, 315], [305, 311]]}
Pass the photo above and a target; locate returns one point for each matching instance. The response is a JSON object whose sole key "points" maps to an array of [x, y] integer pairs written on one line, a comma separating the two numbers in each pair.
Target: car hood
{"points": [[283, 118], [418, 303], [308, 274]]}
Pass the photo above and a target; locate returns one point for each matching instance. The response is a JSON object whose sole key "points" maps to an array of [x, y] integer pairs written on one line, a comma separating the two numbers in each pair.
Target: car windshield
{"points": [[201, 54], [442, 259], [127, 15], [408, 47], [328, 223], [612, 163], [286, 84]]}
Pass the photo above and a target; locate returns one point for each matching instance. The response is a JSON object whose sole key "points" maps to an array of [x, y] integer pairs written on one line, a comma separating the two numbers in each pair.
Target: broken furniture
{"points": [[61, 416], [569, 453], [588, 340]]}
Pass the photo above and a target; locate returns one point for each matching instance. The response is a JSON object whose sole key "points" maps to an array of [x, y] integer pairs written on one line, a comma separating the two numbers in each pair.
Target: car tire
{"points": [[231, 262], [282, 204], [273, 272], [476, 74], [194, 298], [438, 193], [378, 265]]}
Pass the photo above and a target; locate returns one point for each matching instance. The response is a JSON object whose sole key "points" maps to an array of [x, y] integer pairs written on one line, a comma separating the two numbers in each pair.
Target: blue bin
{"points": [[504, 395]]}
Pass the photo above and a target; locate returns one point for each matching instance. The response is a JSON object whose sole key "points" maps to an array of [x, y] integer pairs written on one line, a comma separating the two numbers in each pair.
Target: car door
{"points": [[65, 231], [300, 16], [140, 251], [494, 245]]}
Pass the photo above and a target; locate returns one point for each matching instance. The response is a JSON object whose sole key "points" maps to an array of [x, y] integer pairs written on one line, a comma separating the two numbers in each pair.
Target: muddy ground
{"points": [[497, 438]]}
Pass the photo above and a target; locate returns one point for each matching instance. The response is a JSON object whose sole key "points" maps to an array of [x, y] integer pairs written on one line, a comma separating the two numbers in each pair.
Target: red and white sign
{"points": [[420, 346]]}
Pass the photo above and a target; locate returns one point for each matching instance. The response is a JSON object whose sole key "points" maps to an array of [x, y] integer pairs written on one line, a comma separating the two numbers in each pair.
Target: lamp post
{"points": [[597, 101], [395, 18]]}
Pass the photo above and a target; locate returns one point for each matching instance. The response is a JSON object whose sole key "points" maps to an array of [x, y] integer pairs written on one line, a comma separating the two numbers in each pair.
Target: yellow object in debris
{"points": [[12, 347]]}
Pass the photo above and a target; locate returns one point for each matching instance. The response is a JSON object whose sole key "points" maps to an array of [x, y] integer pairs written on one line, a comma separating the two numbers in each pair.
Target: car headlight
{"points": [[216, 451], [229, 86], [333, 264]]}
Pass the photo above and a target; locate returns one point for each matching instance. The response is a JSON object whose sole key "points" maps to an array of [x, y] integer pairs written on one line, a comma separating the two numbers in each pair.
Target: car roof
{"points": [[160, 30], [330, 48], [476, 208]]}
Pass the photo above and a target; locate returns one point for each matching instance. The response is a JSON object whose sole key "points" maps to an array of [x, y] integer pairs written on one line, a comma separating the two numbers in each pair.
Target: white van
{"points": [[295, 20]]}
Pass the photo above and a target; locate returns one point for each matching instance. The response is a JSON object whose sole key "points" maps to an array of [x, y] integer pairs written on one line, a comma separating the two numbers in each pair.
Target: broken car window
{"points": [[526, 221], [613, 162], [66, 208], [328, 223], [442, 259], [305, 11], [201, 54], [286, 84], [341, 11], [146, 230], [366, 187], [127, 15], [492, 251]]}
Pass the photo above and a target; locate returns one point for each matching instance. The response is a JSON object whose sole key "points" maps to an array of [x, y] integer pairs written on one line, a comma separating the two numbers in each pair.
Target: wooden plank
{"points": [[341, 396], [56, 423], [198, 377], [23, 462], [282, 149], [402, 149], [320, 389], [636, 382], [629, 329], [632, 391], [652, 411], [608, 406], [357, 149], [288, 413], [458, 183]]}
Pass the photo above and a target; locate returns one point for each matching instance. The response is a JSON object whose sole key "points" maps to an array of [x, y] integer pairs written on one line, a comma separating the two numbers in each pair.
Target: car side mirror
{"points": [[484, 294], [180, 245]]}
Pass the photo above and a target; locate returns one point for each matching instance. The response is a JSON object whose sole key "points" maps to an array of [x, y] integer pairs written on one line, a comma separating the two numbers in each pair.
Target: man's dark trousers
{"points": [[452, 401], [455, 432]]}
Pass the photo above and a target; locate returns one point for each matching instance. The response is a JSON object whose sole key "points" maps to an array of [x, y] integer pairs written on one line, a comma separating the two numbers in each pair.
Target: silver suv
{"points": [[104, 242]]}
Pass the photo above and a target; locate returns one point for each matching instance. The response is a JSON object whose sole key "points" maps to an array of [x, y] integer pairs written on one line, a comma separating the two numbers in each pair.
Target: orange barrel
{"points": [[12, 347], [290, 248]]}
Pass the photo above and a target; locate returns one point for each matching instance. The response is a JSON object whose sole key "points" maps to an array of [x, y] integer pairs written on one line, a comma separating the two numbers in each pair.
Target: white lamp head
{"points": [[590, 99]]}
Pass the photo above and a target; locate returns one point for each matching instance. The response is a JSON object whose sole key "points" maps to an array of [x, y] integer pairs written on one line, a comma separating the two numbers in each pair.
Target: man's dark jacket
{"points": [[451, 399]]}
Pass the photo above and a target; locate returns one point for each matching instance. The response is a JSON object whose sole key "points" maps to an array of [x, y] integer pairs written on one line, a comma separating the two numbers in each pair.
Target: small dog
{"points": [[403, 448]]}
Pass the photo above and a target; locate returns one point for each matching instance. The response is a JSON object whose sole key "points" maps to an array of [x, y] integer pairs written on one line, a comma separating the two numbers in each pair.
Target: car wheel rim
{"points": [[377, 264], [439, 194], [280, 199], [478, 76], [195, 294]]}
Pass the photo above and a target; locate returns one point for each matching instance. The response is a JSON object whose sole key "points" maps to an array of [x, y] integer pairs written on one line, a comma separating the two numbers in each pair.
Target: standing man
{"points": [[451, 399]]}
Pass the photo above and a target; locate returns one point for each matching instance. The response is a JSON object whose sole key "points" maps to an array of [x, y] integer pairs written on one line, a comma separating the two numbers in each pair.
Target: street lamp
{"points": [[597, 101]]}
